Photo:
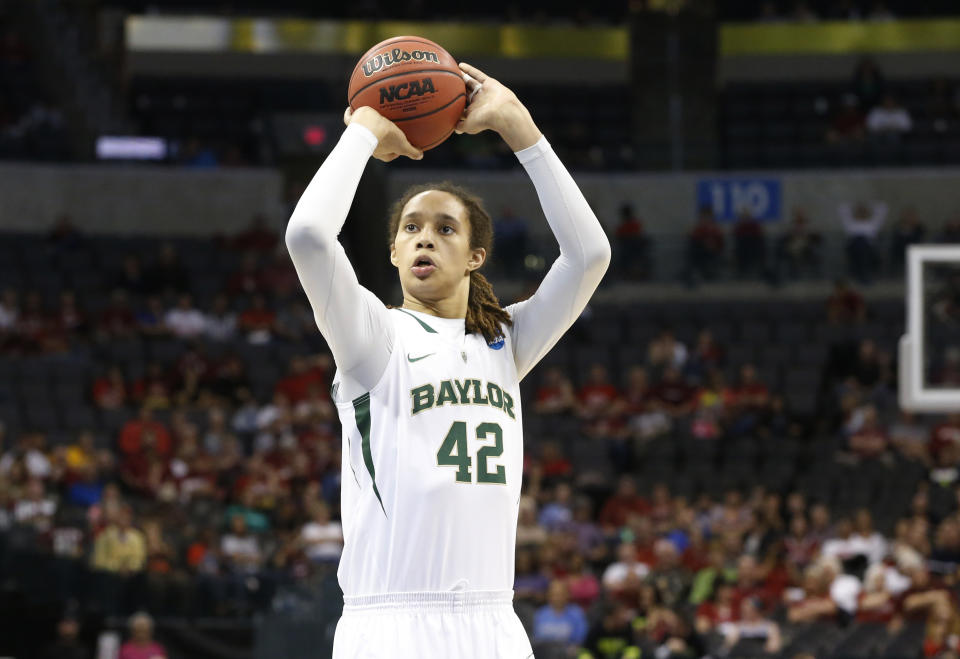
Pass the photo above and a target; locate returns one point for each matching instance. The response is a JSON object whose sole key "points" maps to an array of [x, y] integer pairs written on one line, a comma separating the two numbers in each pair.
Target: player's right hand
{"points": [[391, 142]]}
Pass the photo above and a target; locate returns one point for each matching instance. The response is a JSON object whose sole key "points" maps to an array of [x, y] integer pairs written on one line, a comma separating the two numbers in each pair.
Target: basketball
{"points": [[413, 82]]}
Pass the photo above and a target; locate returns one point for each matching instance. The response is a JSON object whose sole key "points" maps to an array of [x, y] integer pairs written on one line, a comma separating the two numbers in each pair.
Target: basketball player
{"points": [[428, 393]]}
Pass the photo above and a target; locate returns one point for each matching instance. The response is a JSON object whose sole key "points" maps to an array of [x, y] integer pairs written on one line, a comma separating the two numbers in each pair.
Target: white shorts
{"points": [[461, 625]]}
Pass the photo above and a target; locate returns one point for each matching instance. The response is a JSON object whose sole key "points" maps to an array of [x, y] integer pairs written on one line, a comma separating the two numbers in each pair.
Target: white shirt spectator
{"points": [[220, 327], [185, 323], [243, 551], [873, 546], [882, 119], [324, 542], [37, 513], [37, 464], [618, 572], [844, 591], [868, 226]]}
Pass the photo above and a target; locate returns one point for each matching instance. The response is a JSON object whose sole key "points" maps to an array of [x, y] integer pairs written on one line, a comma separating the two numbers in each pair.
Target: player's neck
{"points": [[454, 306]]}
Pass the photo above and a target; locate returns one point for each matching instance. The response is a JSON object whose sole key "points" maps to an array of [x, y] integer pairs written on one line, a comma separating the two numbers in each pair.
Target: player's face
{"points": [[432, 246]]}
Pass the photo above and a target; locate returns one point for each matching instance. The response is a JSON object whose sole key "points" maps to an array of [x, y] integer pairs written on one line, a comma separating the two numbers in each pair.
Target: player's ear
{"points": [[477, 257], [393, 255]]}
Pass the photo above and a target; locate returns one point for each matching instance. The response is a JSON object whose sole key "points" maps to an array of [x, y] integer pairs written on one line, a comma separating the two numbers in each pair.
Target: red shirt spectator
{"points": [[110, 391], [707, 233], [624, 502], [132, 432], [555, 395], [279, 277], [303, 374], [597, 396], [674, 395]]}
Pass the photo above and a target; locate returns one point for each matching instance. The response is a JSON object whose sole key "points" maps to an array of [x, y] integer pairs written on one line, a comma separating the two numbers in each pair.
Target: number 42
{"points": [[453, 452]]}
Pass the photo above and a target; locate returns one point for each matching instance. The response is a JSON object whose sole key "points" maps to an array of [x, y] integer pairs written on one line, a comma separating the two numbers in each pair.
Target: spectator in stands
{"points": [[944, 434], [705, 248], [752, 633], [67, 644], [623, 502], [35, 509], [166, 274], [141, 644], [798, 249], [295, 323], [610, 636], [889, 120], [120, 548], [800, 547], [749, 243], [529, 530], [555, 396], [674, 396], [868, 82], [908, 231], [862, 223], [258, 236], [910, 437], [557, 512], [559, 621], [530, 583], [33, 324], [240, 550], [597, 399], [669, 576], [221, 323], [642, 418], [845, 305], [510, 239], [623, 577], [633, 245], [70, 319], [110, 390], [257, 322], [666, 351], [869, 441], [848, 124], [184, 320], [812, 602], [322, 537], [869, 543], [248, 279]]}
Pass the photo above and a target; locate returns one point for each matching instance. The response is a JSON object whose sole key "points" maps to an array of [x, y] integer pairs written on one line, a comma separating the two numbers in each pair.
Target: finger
{"points": [[347, 115], [473, 72], [470, 82], [386, 157], [407, 149]]}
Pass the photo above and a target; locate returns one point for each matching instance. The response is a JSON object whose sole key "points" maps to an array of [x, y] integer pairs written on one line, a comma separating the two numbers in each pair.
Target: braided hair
{"points": [[485, 316]]}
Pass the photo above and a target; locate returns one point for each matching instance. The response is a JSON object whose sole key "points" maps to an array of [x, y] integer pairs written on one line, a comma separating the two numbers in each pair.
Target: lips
{"points": [[422, 266]]}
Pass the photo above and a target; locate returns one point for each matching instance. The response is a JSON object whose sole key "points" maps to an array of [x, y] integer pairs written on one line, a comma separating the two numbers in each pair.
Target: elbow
{"points": [[596, 259], [302, 237]]}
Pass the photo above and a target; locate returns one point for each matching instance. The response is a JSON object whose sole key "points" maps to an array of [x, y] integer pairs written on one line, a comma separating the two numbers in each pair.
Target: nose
{"points": [[425, 239]]}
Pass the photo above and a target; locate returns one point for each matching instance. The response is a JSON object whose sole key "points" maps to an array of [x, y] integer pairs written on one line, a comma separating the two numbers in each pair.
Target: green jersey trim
{"points": [[422, 324], [361, 412]]}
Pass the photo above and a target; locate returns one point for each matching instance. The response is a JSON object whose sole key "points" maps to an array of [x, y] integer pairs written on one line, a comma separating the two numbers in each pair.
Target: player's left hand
{"points": [[492, 106]]}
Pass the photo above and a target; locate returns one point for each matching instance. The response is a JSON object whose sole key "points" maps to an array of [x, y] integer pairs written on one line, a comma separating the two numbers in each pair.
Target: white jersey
{"points": [[432, 462]]}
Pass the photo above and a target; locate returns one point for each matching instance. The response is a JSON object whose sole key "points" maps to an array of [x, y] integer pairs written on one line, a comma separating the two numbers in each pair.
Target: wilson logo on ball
{"points": [[386, 60], [405, 90]]}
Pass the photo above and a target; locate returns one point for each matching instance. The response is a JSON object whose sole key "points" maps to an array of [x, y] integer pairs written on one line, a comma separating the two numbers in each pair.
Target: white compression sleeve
{"points": [[353, 321], [540, 321]]}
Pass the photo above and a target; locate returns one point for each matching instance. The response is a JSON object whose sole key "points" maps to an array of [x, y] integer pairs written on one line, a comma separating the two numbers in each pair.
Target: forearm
{"points": [[351, 319], [584, 256]]}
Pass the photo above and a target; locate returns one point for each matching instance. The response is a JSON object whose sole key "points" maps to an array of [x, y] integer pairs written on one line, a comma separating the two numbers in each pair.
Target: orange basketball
{"points": [[413, 82]]}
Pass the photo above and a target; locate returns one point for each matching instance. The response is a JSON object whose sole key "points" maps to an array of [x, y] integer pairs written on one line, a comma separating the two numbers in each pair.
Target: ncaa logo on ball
{"points": [[406, 89], [386, 60], [496, 345]]}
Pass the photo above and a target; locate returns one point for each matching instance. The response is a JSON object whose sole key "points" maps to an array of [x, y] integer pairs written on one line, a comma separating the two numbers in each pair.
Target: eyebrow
{"points": [[441, 216]]}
